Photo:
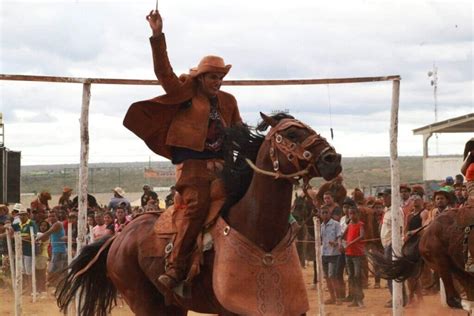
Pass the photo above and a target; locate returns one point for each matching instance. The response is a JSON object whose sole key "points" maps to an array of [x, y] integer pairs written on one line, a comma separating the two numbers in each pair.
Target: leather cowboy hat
{"points": [[210, 64], [67, 189]]}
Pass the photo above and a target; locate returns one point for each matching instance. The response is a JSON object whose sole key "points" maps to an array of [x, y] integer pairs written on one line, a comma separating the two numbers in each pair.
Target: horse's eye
{"points": [[292, 135]]}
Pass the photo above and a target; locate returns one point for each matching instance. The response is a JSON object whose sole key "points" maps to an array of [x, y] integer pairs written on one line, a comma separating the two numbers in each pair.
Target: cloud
{"points": [[262, 40]]}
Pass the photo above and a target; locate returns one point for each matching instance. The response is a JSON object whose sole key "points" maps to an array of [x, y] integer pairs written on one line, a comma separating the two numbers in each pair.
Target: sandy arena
{"points": [[374, 302]]}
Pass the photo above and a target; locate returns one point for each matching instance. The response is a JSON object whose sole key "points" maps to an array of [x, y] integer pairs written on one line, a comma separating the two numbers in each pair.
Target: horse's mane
{"points": [[240, 142]]}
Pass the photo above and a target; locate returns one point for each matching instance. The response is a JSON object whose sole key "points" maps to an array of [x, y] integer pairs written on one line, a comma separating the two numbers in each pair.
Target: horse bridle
{"points": [[294, 152]]}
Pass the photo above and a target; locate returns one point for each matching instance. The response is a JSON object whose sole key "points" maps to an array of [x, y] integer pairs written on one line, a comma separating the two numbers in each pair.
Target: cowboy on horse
{"points": [[185, 125]]}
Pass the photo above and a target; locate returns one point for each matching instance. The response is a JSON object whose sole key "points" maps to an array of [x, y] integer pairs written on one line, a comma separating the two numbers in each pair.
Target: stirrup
{"points": [[166, 285]]}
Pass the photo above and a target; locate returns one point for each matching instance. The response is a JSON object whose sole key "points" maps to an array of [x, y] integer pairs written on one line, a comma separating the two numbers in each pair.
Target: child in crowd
{"points": [[42, 259], [90, 225], [354, 250], [330, 239], [121, 219], [109, 223]]}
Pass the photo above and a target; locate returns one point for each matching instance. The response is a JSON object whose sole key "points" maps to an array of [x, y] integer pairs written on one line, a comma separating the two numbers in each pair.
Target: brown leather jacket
{"points": [[164, 122]]}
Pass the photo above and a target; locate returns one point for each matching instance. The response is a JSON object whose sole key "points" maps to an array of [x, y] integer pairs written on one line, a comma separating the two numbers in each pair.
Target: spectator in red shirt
{"points": [[355, 251]]}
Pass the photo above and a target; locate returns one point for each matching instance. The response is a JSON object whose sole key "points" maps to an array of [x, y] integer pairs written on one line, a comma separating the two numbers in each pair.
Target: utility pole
{"points": [[433, 74]]}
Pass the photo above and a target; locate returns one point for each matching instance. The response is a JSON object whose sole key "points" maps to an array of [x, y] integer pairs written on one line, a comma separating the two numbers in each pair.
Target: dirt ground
{"points": [[374, 302]]}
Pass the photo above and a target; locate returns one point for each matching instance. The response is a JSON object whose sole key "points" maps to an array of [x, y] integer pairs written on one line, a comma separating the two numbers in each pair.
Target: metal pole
{"points": [[18, 273], [319, 263], [33, 263], [397, 221]]}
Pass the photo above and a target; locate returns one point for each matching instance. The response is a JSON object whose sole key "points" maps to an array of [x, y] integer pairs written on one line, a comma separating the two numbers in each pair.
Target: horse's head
{"points": [[296, 149]]}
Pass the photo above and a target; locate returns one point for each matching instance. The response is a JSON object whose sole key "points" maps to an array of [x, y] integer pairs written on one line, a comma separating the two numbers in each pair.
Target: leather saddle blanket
{"points": [[249, 281]]}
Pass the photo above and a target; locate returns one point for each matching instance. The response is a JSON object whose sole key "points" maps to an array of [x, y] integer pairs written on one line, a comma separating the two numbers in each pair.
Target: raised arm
{"points": [[55, 228], [162, 66]]}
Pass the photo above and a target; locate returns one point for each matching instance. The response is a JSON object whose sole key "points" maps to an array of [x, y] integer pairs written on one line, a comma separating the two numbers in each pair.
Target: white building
{"points": [[439, 167]]}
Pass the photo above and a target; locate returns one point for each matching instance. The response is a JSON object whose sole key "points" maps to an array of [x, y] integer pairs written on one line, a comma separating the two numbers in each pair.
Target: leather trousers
{"points": [[192, 202]]}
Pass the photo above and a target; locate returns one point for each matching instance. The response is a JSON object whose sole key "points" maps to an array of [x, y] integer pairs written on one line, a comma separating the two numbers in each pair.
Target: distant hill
{"points": [[358, 172]]}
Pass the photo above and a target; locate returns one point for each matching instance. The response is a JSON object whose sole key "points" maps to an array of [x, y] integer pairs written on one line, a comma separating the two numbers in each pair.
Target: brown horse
{"points": [[440, 246], [334, 186], [257, 207]]}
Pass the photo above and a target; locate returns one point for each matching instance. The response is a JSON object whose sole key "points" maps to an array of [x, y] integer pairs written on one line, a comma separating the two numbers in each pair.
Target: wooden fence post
{"points": [[18, 273], [397, 221], [11, 258], [33, 264], [319, 263]]}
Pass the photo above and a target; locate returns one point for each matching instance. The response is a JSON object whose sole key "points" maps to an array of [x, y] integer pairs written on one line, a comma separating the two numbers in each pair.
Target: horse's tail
{"points": [[408, 265], [87, 277]]}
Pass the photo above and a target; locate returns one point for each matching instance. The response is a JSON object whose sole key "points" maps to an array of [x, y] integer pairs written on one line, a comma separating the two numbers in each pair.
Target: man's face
{"points": [[464, 192], [345, 209], [23, 217], [61, 215], [72, 219], [378, 209], [405, 194], [99, 219], [210, 83], [458, 192], [417, 200], [52, 218], [328, 199], [387, 199], [441, 201]]}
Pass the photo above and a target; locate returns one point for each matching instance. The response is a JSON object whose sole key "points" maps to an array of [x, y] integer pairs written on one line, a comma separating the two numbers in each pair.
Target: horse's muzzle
{"points": [[329, 165]]}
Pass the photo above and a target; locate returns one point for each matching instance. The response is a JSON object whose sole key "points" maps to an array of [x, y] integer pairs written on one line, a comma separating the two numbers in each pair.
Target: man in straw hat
{"points": [[118, 199], [185, 125]]}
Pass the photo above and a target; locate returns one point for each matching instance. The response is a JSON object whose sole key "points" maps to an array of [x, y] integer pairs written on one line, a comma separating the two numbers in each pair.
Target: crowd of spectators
{"points": [[345, 229], [50, 229], [361, 223]]}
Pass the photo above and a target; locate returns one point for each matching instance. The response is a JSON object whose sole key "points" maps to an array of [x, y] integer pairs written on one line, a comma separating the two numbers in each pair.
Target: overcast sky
{"points": [[262, 40]]}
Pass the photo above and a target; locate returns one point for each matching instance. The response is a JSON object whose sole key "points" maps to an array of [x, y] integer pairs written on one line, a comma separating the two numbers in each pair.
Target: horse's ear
{"points": [[269, 120]]}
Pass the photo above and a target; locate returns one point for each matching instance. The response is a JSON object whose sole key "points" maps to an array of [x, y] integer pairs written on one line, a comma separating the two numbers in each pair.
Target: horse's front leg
{"points": [[452, 296]]}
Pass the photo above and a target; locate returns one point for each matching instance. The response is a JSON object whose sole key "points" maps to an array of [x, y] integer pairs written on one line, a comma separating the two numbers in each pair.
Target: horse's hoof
{"points": [[454, 302]]}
